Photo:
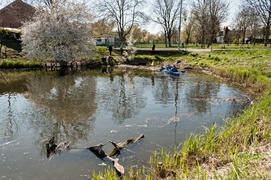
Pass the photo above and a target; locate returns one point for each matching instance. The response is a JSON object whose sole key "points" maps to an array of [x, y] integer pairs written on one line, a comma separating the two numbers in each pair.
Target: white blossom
{"points": [[60, 32]]}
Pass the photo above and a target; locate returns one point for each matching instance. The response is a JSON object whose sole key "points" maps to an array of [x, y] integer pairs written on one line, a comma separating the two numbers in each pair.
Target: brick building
{"points": [[15, 13]]}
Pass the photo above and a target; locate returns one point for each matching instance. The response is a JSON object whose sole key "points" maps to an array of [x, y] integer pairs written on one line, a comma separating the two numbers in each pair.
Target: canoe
{"points": [[170, 72]]}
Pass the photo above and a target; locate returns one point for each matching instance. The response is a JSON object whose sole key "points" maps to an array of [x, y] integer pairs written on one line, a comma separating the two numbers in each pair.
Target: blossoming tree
{"points": [[62, 32]]}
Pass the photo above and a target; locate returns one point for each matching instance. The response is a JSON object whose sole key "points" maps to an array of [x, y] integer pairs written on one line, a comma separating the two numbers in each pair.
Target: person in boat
{"points": [[168, 67], [174, 69]]}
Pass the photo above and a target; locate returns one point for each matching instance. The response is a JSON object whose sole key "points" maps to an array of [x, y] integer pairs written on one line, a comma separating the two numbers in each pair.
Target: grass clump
{"points": [[6, 64]]}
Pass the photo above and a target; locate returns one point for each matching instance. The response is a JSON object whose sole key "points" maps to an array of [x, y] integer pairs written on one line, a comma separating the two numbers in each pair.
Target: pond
{"points": [[89, 107]]}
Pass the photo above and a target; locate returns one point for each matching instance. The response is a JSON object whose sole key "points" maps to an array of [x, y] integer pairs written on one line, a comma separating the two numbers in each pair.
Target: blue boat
{"points": [[168, 71]]}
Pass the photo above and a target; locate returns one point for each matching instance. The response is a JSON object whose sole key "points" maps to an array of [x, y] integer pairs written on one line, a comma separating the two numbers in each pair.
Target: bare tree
{"points": [[138, 34], [218, 10], [189, 28], [234, 36], [125, 14], [263, 8], [247, 19], [201, 15], [166, 13], [103, 27], [209, 14]]}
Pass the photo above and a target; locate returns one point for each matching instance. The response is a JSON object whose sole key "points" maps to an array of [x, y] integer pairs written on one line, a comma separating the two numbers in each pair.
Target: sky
{"points": [[233, 9], [154, 28]]}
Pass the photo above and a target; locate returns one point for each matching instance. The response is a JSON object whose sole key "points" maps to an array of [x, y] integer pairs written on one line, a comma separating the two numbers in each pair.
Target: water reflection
{"points": [[11, 124], [199, 96], [122, 97], [95, 106], [66, 105]]}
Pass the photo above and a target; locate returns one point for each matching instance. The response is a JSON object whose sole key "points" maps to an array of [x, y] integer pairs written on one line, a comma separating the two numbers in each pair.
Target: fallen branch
{"points": [[119, 168], [52, 148], [121, 145], [98, 151]]}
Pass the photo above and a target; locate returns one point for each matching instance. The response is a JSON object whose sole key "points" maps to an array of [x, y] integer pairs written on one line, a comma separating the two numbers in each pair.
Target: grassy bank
{"points": [[241, 149], [249, 68]]}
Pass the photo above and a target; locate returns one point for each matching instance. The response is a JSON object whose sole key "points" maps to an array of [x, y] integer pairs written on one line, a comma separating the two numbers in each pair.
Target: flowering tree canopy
{"points": [[61, 32]]}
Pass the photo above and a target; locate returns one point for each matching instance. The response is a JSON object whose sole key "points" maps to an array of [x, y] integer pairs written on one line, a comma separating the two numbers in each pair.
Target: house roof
{"points": [[14, 14]]}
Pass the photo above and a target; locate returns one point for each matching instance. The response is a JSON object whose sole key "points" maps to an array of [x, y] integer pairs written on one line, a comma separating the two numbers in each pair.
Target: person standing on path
{"points": [[110, 50], [153, 48]]}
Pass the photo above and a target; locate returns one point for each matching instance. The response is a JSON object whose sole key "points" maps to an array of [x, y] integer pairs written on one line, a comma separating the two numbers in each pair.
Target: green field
{"points": [[213, 46]]}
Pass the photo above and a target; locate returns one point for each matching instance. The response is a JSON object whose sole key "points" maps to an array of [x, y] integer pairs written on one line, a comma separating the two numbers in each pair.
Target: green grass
{"points": [[250, 68], [8, 64]]}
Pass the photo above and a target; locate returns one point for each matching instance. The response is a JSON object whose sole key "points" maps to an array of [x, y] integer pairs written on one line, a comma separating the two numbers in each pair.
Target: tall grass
{"points": [[228, 148], [249, 68]]}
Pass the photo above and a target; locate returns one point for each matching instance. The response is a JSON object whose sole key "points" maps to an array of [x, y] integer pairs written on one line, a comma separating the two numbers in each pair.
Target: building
{"points": [[220, 37], [104, 41], [14, 14]]}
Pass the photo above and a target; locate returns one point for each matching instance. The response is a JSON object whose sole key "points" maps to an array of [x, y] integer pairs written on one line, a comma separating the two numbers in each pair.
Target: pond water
{"points": [[94, 106]]}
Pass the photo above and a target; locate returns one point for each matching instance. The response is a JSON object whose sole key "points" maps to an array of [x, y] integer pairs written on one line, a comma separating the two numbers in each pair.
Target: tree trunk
{"points": [[165, 39], [0, 49], [267, 30], [266, 34], [0, 45], [169, 34], [169, 40], [202, 40], [244, 36], [121, 35]]}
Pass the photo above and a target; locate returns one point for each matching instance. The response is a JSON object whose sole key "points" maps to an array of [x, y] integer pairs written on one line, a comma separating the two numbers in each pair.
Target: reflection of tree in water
{"points": [[237, 104], [66, 104], [125, 98], [162, 94], [199, 95], [11, 126], [165, 90]]}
